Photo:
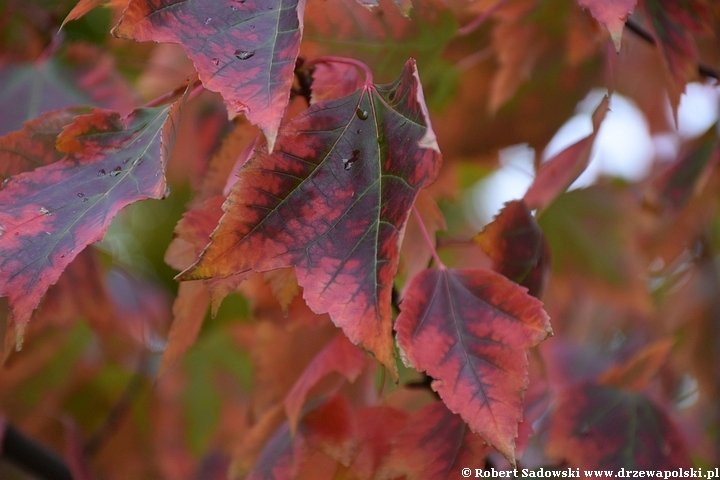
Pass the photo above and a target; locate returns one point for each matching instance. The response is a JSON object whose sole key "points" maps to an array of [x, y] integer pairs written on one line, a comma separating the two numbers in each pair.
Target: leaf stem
{"points": [[426, 235], [475, 24], [347, 61], [195, 83]]}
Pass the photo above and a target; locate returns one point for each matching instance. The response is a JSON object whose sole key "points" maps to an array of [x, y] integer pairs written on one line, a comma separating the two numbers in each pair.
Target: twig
{"points": [[426, 235], [32, 457], [475, 24], [196, 85]]}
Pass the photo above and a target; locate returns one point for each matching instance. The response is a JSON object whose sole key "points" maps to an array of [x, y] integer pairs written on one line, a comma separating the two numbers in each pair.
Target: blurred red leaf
{"points": [[557, 174], [339, 356], [635, 373], [51, 214], [612, 14], [376, 430], [681, 180], [191, 235], [189, 309], [245, 50], [80, 292], [470, 331], [329, 428], [517, 247], [85, 75], [518, 44], [435, 445], [331, 201], [596, 426], [672, 25]]}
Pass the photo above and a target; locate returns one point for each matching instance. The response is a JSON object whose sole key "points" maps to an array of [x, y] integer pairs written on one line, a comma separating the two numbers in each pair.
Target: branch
{"points": [[32, 457], [703, 70]]}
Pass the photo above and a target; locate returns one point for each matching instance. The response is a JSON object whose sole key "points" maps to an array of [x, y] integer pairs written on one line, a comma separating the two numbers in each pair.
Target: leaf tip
{"points": [[428, 140]]}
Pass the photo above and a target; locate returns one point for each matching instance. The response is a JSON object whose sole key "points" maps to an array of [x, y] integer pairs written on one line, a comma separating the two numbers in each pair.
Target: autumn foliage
{"points": [[315, 296]]}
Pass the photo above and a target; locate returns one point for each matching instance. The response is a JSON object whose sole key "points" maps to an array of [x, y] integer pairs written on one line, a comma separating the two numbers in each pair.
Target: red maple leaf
{"points": [[245, 50], [470, 330], [331, 201], [517, 247], [49, 215]]}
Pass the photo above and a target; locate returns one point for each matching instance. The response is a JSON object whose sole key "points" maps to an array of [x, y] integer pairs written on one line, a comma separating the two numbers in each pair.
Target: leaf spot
{"points": [[348, 162], [243, 54]]}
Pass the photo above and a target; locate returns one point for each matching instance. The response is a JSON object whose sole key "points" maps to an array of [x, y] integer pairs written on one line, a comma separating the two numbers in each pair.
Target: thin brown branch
{"points": [[30, 456]]}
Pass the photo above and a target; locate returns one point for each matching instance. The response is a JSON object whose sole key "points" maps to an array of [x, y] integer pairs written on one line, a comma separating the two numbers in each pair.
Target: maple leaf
{"points": [[470, 329], [246, 51], [596, 426], [612, 14], [557, 174], [435, 444], [51, 214], [517, 247], [331, 201]]}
